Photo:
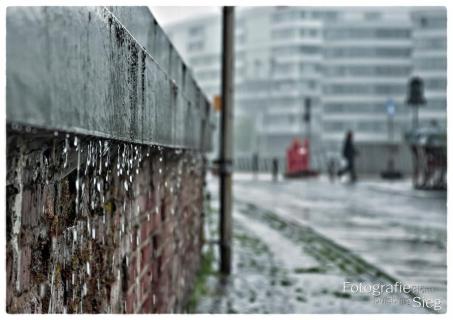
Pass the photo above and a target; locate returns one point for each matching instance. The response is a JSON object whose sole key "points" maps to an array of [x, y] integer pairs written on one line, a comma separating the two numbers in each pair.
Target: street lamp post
{"points": [[226, 141]]}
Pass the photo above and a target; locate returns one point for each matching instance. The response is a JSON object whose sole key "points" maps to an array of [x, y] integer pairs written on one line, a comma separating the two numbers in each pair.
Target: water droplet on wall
{"points": [[66, 151]]}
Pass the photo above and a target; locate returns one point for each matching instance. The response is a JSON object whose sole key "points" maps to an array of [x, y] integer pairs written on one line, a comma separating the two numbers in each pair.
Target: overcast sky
{"points": [[169, 15]]}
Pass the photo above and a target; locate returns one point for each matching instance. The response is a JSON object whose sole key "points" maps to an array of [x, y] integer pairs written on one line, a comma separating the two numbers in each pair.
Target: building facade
{"points": [[346, 67], [430, 62]]}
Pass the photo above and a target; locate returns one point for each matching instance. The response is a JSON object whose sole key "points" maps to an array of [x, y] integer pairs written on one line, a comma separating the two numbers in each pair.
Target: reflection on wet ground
{"points": [[296, 244]]}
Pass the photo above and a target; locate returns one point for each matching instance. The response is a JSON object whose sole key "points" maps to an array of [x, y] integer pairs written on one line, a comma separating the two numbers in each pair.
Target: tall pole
{"points": [[226, 140], [415, 117]]}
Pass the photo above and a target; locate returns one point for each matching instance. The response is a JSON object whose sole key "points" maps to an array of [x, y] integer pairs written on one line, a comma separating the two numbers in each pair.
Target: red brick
{"points": [[131, 300], [134, 239], [157, 273], [145, 256], [145, 285], [144, 231], [148, 304], [132, 271]]}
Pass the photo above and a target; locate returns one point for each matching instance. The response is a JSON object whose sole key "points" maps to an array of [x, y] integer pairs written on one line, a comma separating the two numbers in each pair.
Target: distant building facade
{"points": [[346, 64], [429, 58]]}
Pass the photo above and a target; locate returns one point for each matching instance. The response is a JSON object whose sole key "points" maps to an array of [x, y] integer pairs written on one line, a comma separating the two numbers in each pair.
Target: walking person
{"points": [[275, 169], [255, 165], [349, 153]]}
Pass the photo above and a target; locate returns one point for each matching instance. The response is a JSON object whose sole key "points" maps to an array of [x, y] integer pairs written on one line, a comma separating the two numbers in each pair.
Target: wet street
{"points": [[303, 246]]}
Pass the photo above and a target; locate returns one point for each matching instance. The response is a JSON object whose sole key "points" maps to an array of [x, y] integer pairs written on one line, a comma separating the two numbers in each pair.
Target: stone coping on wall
{"points": [[79, 70]]}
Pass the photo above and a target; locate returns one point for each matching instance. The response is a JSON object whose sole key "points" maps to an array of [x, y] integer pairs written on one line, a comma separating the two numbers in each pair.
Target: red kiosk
{"points": [[298, 160]]}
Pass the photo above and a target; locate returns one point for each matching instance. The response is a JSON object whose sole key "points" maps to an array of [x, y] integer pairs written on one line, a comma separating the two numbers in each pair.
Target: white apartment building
{"points": [[349, 62], [430, 62]]}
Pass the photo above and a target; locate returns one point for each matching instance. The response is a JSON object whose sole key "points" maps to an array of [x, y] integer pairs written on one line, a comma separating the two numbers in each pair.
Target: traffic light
{"points": [[416, 95]]}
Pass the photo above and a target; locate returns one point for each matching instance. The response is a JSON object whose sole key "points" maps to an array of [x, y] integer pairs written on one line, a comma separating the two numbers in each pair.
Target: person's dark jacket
{"points": [[348, 150]]}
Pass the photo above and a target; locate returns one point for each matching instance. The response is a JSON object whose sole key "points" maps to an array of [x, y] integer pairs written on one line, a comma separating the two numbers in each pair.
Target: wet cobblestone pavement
{"points": [[285, 265]]}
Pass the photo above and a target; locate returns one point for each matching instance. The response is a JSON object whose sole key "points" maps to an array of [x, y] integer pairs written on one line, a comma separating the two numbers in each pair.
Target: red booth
{"points": [[298, 159]]}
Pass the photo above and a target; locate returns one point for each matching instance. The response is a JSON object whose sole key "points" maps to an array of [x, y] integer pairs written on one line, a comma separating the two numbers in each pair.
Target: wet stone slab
{"points": [[402, 234], [282, 268]]}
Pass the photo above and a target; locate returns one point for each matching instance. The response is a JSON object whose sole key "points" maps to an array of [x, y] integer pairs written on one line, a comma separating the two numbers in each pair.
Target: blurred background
{"points": [[304, 77], [318, 72]]}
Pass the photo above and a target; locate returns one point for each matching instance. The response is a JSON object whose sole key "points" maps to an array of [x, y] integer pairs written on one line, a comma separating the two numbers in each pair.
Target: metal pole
{"points": [[390, 163], [226, 140], [415, 117]]}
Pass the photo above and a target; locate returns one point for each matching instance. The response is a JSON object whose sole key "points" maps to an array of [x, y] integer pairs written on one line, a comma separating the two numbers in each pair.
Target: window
{"points": [[368, 71], [316, 15], [390, 33], [436, 84], [312, 84], [313, 32], [368, 126], [361, 107], [289, 50], [334, 108], [195, 46], [330, 15], [431, 43], [285, 102], [423, 22], [285, 85], [196, 31], [309, 50], [354, 52], [285, 15], [305, 32], [440, 104], [352, 89], [372, 16], [431, 63], [433, 22], [283, 68], [283, 34], [309, 68], [333, 126]]}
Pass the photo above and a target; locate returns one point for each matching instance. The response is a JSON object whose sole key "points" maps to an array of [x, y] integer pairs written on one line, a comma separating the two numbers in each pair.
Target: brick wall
{"points": [[96, 225]]}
